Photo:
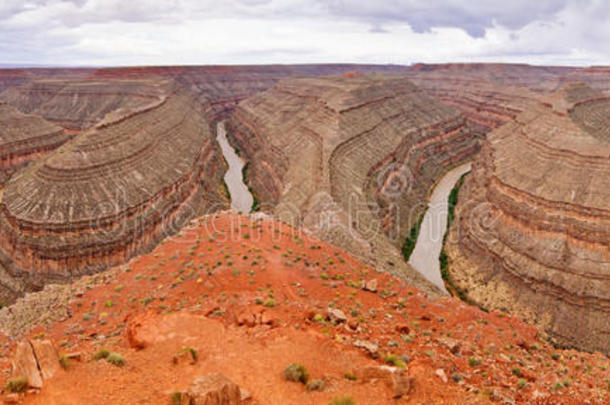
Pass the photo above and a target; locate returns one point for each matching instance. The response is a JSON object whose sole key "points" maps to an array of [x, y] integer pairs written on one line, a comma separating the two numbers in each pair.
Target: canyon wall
{"points": [[532, 234], [24, 138], [108, 194], [79, 104], [351, 157]]}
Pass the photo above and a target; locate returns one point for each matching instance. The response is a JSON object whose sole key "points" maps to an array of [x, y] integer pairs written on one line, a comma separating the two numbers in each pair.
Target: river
{"points": [[241, 198], [430, 239]]}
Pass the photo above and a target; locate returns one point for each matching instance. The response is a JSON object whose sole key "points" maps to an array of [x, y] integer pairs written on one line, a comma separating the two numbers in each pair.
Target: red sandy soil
{"points": [[193, 290]]}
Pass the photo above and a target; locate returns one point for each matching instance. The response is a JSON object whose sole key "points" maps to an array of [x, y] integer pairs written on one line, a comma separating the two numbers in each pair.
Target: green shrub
{"points": [[176, 398], [315, 385], [394, 360], [342, 401], [18, 384], [101, 354], [115, 359], [64, 361], [517, 371], [350, 376], [296, 372], [473, 362], [189, 350], [409, 245], [269, 303], [521, 383]]}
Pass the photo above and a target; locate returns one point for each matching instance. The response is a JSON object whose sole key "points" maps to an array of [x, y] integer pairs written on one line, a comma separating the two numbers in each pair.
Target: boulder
{"points": [[370, 347], [370, 285], [212, 389], [25, 365], [336, 315], [47, 357], [395, 378]]}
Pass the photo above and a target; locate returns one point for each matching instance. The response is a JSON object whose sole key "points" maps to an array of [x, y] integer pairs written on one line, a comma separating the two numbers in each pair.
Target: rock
{"points": [[370, 285], [336, 315], [25, 365], [11, 399], [453, 345], [395, 378], [371, 348], [403, 328], [212, 389], [244, 394], [47, 357], [76, 356], [441, 374]]}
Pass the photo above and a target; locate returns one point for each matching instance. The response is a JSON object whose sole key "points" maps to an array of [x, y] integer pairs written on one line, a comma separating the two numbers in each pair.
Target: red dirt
{"points": [[194, 288]]}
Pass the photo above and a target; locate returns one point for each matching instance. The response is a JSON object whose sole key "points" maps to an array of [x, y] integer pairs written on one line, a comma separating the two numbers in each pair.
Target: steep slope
{"points": [[250, 296], [533, 233], [24, 138], [352, 157], [108, 194]]}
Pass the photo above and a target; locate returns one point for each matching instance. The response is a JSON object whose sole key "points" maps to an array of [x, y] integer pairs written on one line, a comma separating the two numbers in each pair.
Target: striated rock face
{"points": [[533, 229], [78, 103], [108, 194], [24, 138], [350, 157], [488, 102]]}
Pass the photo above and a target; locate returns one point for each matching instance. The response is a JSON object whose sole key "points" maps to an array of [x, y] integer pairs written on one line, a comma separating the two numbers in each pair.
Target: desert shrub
{"points": [[394, 360], [517, 371], [296, 372], [473, 362], [350, 376], [269, 303], [176, 398], [101, 354], [315, 385], [64, 361], [189, 350], [342, 401], [18, 384], [521, 383], [115, 359]]}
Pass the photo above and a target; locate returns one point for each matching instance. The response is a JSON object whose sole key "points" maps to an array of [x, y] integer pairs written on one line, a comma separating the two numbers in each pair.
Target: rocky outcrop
{"points": [[533, 229], [24, 138], [350, 157], [35, 361], [110, 193], [212, 389], [80, 104]]}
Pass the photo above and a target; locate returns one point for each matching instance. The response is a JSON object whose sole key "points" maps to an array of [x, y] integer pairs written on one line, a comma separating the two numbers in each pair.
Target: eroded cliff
{"points": [[533, 229], [350, 157]]}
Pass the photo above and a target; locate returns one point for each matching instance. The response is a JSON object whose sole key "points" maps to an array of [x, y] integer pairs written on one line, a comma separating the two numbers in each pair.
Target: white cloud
{"points": [[119, 32]]}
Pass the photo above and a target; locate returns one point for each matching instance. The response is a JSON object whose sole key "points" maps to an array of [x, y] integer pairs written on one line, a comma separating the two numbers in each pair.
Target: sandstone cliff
{"points": [[24, 138], [533, 233], [108, 194]]}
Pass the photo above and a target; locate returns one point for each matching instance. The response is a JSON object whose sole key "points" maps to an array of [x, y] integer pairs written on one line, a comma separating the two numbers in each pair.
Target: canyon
{"points": [[99, 167]]}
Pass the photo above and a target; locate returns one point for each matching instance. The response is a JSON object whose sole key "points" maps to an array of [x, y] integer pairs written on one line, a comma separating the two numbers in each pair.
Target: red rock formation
{"points": [[108, 194], [533, 234]]}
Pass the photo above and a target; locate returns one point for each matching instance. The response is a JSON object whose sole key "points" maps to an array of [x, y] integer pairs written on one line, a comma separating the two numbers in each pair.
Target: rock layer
{"points": [[108, 194], [24, 138], [78, 103], [533, 233], [350, 157]]}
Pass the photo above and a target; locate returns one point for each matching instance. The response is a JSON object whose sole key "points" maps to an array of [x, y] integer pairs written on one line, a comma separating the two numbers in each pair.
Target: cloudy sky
{"points": [[161, 32]]}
